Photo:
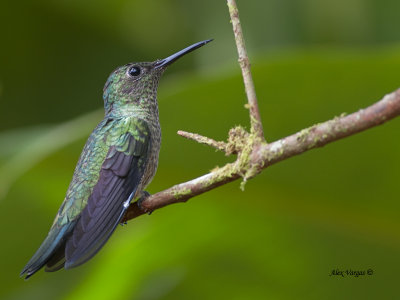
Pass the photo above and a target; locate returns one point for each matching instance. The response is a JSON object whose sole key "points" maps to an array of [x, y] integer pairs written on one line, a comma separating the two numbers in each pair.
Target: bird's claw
{"points": [[139, 202]]}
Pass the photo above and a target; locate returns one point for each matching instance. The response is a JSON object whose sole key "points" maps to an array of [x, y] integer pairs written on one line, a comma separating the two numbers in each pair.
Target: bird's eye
{"points": [[134, 71]]}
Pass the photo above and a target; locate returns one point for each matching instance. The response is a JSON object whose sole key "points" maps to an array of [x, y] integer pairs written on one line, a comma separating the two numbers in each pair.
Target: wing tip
{"points": [[76, 261], [70, 264], [28, 271]]}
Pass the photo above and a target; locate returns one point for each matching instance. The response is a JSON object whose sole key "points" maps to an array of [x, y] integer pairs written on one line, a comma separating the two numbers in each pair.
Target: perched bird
{"points": [[118, 161]]}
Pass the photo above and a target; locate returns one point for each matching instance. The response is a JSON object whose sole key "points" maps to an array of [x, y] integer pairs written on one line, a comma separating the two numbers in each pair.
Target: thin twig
{"points": [[255, 118], [203, 140], [267, 154]]}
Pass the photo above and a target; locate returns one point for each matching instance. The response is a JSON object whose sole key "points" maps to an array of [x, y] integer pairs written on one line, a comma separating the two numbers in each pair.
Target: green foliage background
{"points": [[331, 208]]}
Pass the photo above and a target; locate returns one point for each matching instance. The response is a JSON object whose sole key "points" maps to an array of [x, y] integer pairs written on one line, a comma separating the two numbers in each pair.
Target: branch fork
{"points": [[253, 152]]}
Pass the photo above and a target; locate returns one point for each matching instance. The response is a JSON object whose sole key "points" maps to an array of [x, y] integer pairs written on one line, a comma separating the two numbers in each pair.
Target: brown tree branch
{"points": [[255, 118], [264, 155], [324, 133]]}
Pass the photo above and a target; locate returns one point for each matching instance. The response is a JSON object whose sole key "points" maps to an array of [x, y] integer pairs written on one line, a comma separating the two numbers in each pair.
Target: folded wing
{"points": [[119, 178]]}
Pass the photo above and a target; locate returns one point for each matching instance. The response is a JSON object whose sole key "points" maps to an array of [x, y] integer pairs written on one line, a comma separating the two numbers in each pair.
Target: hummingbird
{"points": [[118, 161]]}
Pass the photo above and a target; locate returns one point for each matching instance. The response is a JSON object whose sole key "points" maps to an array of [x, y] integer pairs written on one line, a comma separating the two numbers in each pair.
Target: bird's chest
{"points": [[152, 154]]}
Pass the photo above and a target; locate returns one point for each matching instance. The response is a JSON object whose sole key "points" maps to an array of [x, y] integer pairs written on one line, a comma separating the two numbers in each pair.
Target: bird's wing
{"points": [[119, 177], [51, 251], [108, 172]]}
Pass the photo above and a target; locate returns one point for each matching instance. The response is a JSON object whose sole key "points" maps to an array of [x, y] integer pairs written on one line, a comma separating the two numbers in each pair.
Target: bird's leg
{"points": [[139, 202]]}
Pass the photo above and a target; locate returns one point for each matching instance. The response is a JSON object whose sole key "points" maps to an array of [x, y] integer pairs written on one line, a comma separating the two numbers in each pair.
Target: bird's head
{"points": [[132, 88]]}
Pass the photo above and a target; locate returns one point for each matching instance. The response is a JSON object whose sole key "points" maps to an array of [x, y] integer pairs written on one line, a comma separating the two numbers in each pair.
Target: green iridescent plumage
{"points": [[118, 161], [107, 134]]}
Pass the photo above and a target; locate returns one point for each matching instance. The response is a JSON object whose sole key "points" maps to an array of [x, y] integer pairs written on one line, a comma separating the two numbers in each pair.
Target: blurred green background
{"points": [[332, 208]]}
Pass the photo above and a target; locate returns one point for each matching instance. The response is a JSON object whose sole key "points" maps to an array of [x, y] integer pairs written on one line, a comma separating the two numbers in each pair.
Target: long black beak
{"points": [[170, 59]]}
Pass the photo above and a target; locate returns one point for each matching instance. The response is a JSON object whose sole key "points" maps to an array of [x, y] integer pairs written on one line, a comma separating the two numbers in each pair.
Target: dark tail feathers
{"points": [[50, 252]]}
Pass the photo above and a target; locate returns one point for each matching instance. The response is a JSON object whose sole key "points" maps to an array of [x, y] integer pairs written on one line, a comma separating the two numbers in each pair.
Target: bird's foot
{"points": [[144, 195]]}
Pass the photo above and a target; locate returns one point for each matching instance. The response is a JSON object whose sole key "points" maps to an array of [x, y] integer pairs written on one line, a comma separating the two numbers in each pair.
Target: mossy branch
{"points": [[253, 153], [203, 140], [263, 155]]}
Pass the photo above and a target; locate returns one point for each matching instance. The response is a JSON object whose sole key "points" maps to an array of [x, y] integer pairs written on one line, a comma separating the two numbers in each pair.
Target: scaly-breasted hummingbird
{"points": [[118, 161]]}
